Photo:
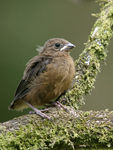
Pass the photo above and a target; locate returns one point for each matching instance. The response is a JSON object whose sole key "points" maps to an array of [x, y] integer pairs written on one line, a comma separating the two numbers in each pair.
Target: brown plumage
{"points": [[46, 77]]}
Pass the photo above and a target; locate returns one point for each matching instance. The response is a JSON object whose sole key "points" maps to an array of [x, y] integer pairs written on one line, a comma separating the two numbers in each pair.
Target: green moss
{"points": [[88, 64], [65, 133]]}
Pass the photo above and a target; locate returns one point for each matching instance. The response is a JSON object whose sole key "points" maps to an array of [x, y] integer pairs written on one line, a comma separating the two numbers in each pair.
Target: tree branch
{"points": [[88, 64], [76, 129], [66, 131]]}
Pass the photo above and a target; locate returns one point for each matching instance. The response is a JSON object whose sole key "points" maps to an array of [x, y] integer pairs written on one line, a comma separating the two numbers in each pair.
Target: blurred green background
{"points": [[25, 24]]}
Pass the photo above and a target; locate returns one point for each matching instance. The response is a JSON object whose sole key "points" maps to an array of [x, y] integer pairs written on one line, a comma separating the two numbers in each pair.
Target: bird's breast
{"points": [[61, 74]]}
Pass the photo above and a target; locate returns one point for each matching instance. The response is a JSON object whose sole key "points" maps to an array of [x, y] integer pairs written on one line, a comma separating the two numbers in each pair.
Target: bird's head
{"points": [[57, 45]]}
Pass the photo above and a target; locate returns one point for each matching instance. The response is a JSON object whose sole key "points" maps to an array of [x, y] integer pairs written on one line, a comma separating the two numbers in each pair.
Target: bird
{"points": [[46, 78]]}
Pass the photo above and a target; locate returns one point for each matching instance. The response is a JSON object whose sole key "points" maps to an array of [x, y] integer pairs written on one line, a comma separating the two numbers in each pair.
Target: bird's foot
{"points": [[57, 103], [38, 112], [62, 99], [43, 110]]}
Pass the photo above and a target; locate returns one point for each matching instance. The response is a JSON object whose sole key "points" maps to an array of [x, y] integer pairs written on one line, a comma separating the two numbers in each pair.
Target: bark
{"points": [[76, 129]]}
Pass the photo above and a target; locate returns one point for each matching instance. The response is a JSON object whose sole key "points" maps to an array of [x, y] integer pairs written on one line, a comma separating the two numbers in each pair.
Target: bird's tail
{"points": [[17, 105]]}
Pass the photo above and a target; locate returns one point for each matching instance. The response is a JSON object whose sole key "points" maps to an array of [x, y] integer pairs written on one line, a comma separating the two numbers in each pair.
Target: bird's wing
{"points": [[34, 67]]}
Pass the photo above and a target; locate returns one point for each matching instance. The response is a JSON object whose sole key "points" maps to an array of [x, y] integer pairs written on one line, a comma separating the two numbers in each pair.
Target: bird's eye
{"points": [[57, 44]]}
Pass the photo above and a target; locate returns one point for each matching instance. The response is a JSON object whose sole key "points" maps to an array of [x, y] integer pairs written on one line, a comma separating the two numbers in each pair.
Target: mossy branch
{"points": [[66, 131], [88, 64], [77, 129]]}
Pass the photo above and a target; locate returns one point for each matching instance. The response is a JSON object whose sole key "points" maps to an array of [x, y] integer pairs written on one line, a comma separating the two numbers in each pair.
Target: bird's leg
{"points": [[58, 103], [62, 99], [38, 112], [44, 110]]}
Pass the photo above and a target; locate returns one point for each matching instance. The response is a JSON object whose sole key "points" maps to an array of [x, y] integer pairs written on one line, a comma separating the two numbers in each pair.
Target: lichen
{"points": [[87, 129], [88, 64]]}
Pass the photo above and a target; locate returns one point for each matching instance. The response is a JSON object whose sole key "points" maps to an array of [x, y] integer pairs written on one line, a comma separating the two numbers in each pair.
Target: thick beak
{"points": [[67, 47]]}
